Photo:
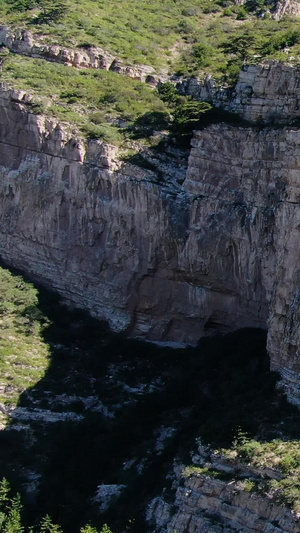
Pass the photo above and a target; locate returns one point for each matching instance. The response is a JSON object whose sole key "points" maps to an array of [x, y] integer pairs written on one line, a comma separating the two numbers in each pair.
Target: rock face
{"points": [[282, 8], [227, 495], [164, 255], [206, 505], [264, 93], [287, 7], [251, 178], [139, 250]]}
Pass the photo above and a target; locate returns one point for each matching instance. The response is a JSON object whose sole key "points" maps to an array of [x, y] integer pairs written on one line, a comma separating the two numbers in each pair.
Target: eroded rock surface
{"points": [[159, 256], [211, 505], [264, 93], [133, 247], [287, 7], [225, 496]]}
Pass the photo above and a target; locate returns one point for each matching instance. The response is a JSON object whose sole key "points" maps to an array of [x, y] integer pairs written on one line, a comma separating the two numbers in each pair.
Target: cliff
{"points": [[264, 93], [132, 246], [223, 494], [163, 254], [205, 504]]}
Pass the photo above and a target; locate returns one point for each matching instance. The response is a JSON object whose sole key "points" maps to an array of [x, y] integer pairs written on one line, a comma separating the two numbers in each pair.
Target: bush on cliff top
{"points": [[105, 105]]}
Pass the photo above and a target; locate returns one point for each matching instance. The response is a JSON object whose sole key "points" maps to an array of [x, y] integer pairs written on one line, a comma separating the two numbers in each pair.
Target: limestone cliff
{"points": [[264, 93], [133, 247], [222, 494], [162, 254], [206, 504]]}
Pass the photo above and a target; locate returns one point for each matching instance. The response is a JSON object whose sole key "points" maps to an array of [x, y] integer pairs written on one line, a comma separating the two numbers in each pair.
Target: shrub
{"points": [[185, 118], [248, 485], [21, 5], [201, 53], [287, 463], [228, 12], [240, 46], [47, 526], [249, 450], [168, 93], [51, 11], [241, 13]]}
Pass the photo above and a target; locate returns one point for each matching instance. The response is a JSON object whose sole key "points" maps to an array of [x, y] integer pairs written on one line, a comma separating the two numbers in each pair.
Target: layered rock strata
{"points": [[256, 173], [222, 495], [264, 93], [159, 256], [209, 505], [155, 258]]}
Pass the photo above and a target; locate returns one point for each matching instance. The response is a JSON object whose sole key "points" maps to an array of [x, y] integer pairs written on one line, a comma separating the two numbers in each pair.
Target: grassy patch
{"points": [[102, 104], [23, 354], [281, 455], [178, 36], [203, 471]]}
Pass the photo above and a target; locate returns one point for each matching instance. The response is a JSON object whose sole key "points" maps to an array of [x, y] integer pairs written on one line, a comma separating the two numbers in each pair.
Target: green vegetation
{"points": [[140, 32], [182, 37], [203, 471], [213, 37], [11, 516], [185, 112], [94, 101], [104, 105], [110, 397], [281, 455], [23, 354]]}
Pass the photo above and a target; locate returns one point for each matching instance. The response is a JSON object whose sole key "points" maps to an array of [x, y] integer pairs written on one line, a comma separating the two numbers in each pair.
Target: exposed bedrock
{"points": [[156, 258], [20, 41], [264, 93]]}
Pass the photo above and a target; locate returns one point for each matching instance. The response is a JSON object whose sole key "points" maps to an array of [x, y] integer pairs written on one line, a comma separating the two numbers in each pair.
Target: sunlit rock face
{"points": [[154, 258], [208, 505], [263, 93], [165, 255]]}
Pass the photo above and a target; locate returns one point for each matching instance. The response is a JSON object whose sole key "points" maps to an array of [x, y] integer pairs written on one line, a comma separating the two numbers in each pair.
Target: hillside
{"points": [[111, 200], [177, 36], [166, 41]]}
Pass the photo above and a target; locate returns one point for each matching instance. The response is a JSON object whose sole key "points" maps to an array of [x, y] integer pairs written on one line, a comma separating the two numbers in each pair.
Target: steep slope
{"points": [[158, 259]]}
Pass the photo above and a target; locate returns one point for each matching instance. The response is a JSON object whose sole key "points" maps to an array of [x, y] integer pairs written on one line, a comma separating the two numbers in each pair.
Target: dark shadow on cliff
{"points": [[106, 403]]}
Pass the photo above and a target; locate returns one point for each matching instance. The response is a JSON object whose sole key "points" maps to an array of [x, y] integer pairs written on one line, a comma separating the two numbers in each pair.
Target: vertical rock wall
{"points": [[264, 93], [256, 172], [157, 259]]}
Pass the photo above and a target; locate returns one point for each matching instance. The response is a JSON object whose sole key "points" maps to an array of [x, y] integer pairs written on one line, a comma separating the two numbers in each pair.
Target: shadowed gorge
{"points": [[116, 412]]}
